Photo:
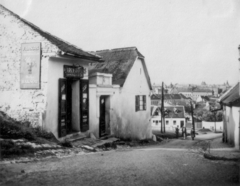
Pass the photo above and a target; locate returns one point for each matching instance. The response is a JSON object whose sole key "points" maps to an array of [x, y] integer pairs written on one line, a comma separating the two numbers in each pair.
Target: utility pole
{"points": [[215, 122], [162, 109], [193, 124]]}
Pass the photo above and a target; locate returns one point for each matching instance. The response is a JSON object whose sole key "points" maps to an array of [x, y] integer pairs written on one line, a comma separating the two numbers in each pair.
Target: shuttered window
{"points": [[140, 102]]}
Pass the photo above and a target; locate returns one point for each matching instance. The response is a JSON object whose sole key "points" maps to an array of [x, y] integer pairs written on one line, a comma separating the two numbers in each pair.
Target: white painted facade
{"points": [[211, 125], [231, 125], [195, 95], [122, 119], [170, 123], [38, 106]]}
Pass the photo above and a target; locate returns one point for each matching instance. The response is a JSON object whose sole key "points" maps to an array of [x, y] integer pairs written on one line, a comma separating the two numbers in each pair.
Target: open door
{"points": [[102, 119], [84, 105], [65, 107], [62, 108]]}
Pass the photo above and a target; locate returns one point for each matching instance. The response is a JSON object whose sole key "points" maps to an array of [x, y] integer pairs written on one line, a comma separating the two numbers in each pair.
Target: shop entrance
{"points": [[73, 106]]}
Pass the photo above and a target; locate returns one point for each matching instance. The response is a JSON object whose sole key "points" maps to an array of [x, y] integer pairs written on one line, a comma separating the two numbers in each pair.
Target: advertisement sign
{"points": [[73, 72], [30, 66]]}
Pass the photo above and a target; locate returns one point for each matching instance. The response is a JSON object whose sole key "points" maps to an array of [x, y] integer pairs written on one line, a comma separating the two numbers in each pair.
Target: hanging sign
{"points": [[73, 72], [30, 66]]}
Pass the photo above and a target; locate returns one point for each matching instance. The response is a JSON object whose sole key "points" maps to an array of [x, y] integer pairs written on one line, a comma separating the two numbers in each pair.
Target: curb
{"points": [[211, 157]]}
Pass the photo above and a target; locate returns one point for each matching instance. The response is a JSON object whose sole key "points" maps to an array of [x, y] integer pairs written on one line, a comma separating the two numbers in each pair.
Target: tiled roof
{"points": [[173, 114], [62, 45], [168, 96], [118, 62], [171, 111], [188, 89], [231, 97]]}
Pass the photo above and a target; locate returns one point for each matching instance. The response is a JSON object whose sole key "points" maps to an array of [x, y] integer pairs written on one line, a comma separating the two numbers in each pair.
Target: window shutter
{"points": [[144, 102], [137, 103]]}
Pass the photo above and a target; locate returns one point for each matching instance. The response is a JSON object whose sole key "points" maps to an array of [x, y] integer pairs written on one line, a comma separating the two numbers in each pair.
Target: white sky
{"points": [[183, 41]]}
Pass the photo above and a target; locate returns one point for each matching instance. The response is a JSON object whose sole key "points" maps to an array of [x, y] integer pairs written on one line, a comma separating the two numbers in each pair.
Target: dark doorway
{"points": [[65, 107], [102, 118], [182, 124], [73, 106], [84, 105]]}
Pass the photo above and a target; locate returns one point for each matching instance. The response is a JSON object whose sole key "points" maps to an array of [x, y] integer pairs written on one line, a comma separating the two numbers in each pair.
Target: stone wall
{"points": [[21, 104]]}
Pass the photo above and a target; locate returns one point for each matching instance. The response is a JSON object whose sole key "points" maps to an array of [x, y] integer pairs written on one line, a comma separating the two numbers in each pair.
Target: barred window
{"points": [[140, 103]]}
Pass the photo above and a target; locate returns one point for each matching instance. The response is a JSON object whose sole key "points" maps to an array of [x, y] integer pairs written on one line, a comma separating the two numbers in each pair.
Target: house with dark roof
{"points": [[172, 99], [175, 118], [194, 93], [120, 90], [44, 79], [230, 102]]}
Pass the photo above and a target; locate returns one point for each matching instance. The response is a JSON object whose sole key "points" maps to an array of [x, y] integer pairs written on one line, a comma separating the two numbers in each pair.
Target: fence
{"points": [[198, 125]]}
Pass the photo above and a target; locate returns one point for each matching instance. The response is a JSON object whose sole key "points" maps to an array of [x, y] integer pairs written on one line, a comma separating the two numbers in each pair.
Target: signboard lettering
{"points": [[73, 72], [30, 66]]}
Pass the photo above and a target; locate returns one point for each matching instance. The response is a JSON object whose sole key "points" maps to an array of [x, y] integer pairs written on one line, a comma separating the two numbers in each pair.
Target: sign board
{"points": [[30, 66], [73, 72]]}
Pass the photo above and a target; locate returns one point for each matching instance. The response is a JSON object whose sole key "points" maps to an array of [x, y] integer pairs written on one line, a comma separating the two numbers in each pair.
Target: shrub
{"points": [[12, 130], [8, 148]]}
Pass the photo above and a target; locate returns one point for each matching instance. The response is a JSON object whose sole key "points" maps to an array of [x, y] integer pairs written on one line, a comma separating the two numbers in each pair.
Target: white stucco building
{"points": [[196, 93], [175, 118], [231, 113], [120, 95], [43, 79]]}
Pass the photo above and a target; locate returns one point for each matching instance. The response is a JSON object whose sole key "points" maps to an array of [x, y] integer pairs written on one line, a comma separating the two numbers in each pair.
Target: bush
{"points": [[12, 130], [42, 133], [8, 148]]}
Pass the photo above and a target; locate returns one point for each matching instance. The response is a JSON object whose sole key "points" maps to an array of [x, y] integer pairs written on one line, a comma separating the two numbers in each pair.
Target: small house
{"points": [[120, 90], [174, 118]]}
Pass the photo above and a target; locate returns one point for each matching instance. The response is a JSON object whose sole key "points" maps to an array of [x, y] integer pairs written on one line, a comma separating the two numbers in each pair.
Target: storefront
{"points": [[44, 80]]}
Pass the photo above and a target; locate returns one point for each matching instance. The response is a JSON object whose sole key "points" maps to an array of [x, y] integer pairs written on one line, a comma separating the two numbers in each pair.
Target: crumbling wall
{"points": [[21, 104]]}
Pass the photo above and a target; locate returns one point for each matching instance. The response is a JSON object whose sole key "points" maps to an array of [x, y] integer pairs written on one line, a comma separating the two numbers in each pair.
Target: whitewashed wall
{"points": [[54, 73], [21, 104], [211, 125], [125, 121], [232, 125], [156, 126]]}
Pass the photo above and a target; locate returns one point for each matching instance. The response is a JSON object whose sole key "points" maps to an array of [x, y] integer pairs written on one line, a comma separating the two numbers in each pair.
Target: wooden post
{"points": [[163, 116], [193, 124]]}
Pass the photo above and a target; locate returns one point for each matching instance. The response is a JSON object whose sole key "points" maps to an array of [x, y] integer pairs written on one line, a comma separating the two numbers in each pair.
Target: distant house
{"points": [[175, 117], [196, 93], [172, 99], [120, 92], [231, 123]]}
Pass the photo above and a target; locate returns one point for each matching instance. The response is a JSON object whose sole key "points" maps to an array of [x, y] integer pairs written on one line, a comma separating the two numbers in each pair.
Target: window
{"points": [[174, 122], [140, 103], [167, 122]]}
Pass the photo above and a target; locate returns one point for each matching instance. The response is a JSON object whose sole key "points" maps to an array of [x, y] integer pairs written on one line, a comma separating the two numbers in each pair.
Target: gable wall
{"points": [[126, 122], [232, 125], [21, 104]]}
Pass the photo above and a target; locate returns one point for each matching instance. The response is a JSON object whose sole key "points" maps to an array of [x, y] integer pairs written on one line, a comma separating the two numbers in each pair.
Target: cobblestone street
{"points": [[153, 165]]}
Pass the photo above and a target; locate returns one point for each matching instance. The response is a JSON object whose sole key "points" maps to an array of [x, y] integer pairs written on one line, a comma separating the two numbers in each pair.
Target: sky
{"points": [[184, 42]]}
